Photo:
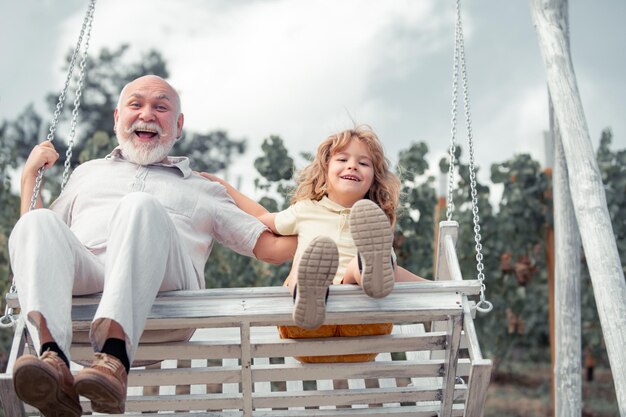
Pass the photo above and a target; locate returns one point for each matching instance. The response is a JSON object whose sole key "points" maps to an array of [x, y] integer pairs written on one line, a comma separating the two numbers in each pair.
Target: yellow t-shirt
{"points": [[309, 219]]}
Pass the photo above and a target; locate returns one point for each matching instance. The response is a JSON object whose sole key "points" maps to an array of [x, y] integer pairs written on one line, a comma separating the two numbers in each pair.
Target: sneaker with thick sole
{"points": [[47, 384], [104, 383], [373, 237], [317, 268]]}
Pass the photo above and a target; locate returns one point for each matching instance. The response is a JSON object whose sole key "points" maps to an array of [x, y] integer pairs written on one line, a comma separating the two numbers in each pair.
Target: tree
{"points": [[210, 152], [227, 269], [277, 169], [520, 319], [414, 232]]}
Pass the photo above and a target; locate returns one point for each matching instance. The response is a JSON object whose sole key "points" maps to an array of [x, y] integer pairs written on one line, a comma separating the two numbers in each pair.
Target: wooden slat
{"points": [[175, 350], [408, 411], [430, 301], [168, 389], [291, 383], [322, 385], [348, 397], [480, 371], [214, 401], [204, 375], [367, 370], [442, 269], [231, 388], [199, 387], [387, 382], [246, 373], [449, 368], [347, 345]]}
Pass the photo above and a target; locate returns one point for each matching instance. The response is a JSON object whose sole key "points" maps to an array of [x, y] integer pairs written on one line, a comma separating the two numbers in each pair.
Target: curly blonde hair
{"points": [[385, 190]]}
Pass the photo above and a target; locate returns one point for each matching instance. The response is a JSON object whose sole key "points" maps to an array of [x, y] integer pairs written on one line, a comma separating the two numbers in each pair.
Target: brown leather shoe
{"points": [[104, 383], [47, 384]]}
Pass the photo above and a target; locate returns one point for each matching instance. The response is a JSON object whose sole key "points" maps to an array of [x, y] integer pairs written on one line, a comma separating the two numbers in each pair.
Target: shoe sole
{"points": [[372, 235], [316, 271], [36, 386], [97, 389]]}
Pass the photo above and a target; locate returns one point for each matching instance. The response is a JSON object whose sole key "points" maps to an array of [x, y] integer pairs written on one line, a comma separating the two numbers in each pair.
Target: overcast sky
{"points": [[305, 69]]}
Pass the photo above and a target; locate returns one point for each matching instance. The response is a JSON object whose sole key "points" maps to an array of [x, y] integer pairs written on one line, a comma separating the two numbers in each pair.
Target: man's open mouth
{"points": [[146, 134]]}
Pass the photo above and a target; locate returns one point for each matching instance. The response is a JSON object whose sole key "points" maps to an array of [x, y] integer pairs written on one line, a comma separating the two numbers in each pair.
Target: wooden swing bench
{"points": [[236, 365]]}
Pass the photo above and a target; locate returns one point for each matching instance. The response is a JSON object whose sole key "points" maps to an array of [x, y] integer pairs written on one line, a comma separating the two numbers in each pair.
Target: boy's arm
{"points": [[246, 203], [243, 202]]}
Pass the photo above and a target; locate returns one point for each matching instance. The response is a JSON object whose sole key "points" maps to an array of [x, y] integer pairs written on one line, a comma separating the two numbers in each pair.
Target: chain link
{"points": [[86, 28], [79, 87], [483, 305], [452, 148]]}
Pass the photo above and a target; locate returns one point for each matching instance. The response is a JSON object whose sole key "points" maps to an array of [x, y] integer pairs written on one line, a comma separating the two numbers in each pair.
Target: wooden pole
{"points": [[549, 164], [567, 336], [440, 208], [586, 187]]}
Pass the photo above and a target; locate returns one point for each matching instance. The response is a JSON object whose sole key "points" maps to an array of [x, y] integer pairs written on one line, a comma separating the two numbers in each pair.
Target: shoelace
{"points": [[107, 361]]}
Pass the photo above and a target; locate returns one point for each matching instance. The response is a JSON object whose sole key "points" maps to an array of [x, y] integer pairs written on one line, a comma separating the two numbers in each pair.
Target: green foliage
{"points": [[519, 283], [274, 164], [612, 167], [210, 152], [97, 146], [277, 169], [414, 234], [227, 269], [19, 136]]}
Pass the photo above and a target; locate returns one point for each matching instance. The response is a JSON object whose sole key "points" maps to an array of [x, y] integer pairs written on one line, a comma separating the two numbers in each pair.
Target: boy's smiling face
{"points": [[350, 174]]}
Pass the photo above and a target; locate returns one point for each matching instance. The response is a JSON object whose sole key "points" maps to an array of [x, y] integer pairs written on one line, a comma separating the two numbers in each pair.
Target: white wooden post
{"points": [[567, 366], [585, 182]]}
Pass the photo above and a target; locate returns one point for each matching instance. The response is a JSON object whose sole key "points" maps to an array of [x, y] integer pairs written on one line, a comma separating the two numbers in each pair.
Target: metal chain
{"points": [[452, 148], [8, 319], [483, 305], [86, 27], [79, 88]]}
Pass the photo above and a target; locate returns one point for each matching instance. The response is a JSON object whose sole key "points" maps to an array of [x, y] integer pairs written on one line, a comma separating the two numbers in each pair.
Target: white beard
{"points": [[144, 153]]}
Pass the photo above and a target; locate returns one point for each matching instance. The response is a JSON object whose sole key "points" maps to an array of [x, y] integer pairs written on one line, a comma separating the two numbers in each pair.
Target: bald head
{"points": [[154, 83]]}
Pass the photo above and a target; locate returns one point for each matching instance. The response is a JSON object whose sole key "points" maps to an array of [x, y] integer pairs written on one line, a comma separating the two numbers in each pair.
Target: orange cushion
{"points": [[336, 330]]}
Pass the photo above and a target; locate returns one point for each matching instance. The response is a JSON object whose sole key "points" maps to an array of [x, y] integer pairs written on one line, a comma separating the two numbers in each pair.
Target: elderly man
{"points": [[130, 225]]}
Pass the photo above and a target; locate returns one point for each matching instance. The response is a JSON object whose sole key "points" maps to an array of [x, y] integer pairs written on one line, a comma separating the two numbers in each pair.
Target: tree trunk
{"points": [[567, 366], [585, 182]]}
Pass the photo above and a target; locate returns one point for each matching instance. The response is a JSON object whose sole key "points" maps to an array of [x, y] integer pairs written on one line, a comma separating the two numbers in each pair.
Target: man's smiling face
{"points": [[147, 120]]}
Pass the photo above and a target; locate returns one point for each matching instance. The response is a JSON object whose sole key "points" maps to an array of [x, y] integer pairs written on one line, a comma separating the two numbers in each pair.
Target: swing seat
{"points": [[237, 365]]}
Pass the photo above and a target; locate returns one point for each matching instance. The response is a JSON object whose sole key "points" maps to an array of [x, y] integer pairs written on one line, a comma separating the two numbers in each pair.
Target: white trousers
{"points": [[144, 255]]}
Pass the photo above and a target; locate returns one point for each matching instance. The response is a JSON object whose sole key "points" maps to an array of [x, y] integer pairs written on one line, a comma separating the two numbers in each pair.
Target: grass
{"points": [[525, 391]]}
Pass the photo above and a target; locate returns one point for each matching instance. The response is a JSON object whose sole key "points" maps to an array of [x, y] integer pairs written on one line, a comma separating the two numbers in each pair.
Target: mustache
{"points": [[149, 127]]}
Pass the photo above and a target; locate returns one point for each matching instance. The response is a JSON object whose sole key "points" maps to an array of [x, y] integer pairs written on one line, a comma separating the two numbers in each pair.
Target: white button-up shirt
{"points": [[201, 210]]}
